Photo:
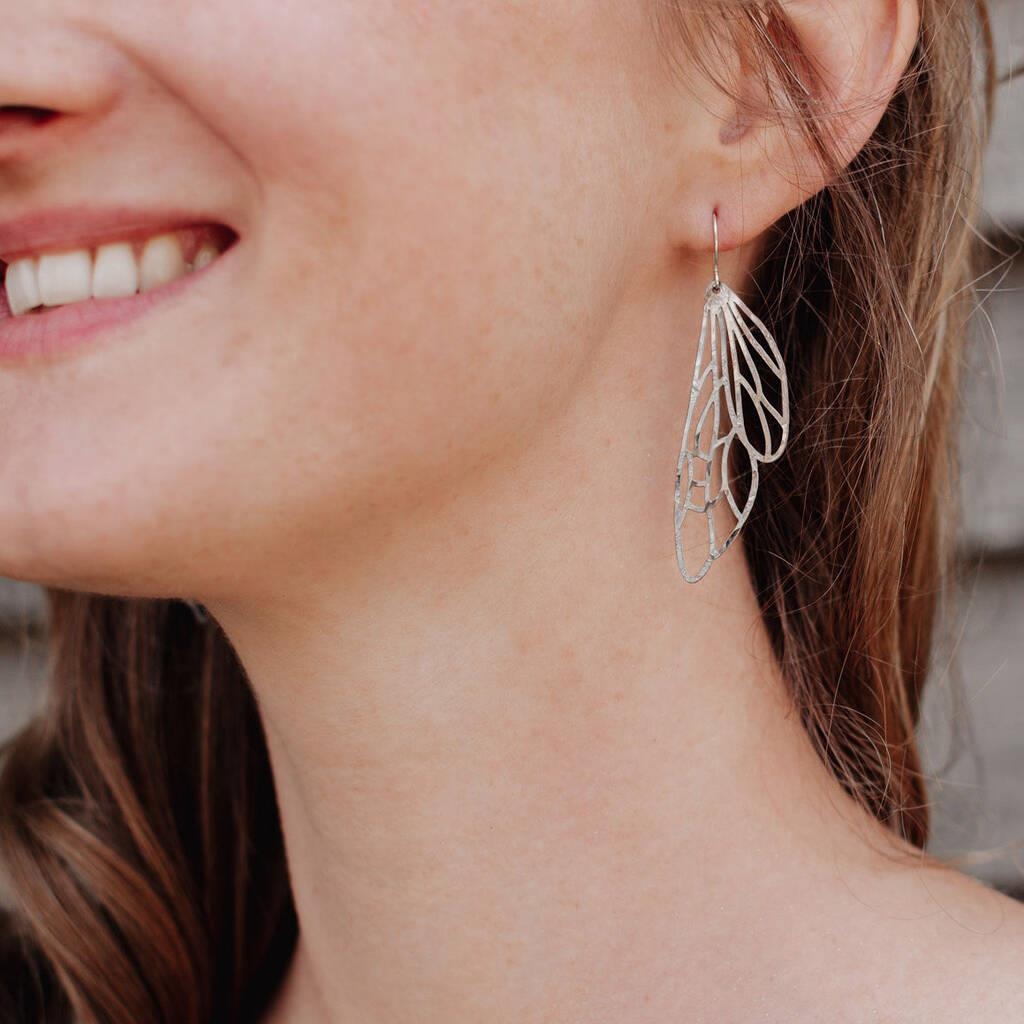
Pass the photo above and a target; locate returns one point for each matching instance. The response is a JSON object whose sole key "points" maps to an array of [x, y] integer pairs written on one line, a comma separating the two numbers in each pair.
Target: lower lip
{"points": [[63, 329]]}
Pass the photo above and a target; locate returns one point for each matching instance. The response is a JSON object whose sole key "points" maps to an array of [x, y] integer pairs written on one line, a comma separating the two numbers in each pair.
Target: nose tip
{"points": [[50, 75]]}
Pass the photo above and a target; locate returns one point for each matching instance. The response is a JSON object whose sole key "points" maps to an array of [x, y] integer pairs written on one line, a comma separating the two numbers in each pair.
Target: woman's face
{"points": [[439, 205]]}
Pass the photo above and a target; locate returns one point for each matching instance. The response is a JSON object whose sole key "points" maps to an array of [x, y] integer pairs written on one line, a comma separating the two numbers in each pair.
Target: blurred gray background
{"points": [[972, 729]]}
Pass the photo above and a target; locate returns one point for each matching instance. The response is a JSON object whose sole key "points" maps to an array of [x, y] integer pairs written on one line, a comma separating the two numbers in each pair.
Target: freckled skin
{"points": [[437, 203]]}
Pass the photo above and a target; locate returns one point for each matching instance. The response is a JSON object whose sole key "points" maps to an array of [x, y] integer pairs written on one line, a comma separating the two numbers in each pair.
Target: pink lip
{"points": [[58, 330], [40, 335], [81, 227]]}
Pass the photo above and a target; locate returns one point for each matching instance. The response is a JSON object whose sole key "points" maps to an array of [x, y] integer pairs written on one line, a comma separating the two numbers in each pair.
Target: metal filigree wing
{"points": [[736, 357]]}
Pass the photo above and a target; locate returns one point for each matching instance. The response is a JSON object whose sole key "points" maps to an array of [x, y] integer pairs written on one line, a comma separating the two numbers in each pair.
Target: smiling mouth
{"points": [[113, 268]]}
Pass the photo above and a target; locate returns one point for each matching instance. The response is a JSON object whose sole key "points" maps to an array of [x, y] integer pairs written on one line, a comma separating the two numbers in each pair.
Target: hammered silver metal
{"points": [[734, 350]]}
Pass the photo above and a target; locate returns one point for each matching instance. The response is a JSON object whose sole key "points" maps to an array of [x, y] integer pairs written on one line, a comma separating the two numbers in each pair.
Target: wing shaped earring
{"points": [[736, 355]]}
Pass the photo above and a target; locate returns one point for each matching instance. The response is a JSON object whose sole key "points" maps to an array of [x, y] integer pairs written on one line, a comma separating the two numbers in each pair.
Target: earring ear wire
{"points": [[736, 354], [714, 264]]}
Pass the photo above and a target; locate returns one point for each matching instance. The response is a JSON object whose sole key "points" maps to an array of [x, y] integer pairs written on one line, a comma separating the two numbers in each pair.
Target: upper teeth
{"points": [[114, 271]]}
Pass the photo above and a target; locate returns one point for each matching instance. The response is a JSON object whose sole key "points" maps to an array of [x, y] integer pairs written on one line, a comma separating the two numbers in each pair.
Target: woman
{"points": [[366, 332]]}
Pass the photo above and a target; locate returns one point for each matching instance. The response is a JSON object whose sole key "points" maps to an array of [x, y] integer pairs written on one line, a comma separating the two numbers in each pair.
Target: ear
{"points": [[753, 166]]}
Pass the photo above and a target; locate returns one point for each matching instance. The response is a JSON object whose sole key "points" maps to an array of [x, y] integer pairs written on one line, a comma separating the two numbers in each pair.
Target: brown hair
{"points": [[139, 825]]}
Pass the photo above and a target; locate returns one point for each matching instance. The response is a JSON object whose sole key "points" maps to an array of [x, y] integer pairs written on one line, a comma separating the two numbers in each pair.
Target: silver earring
{"points": [[735, 353]]}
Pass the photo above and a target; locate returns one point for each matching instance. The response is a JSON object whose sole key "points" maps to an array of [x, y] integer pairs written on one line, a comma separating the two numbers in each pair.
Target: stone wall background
{"points": [[972, 729]]}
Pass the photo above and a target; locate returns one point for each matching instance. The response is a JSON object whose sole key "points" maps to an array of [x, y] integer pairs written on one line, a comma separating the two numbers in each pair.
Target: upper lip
{"points": [[84, 227]]}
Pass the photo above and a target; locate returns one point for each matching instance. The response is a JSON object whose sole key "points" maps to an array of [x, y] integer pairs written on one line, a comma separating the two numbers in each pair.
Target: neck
{"points": [[525, 771]]}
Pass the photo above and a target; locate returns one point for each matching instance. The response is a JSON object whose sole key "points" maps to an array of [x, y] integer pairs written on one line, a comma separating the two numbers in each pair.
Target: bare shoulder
{"points": [[954, 948]]}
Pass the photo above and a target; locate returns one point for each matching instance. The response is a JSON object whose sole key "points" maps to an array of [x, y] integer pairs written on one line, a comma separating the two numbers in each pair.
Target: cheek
{"points": [[447, 203]]}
